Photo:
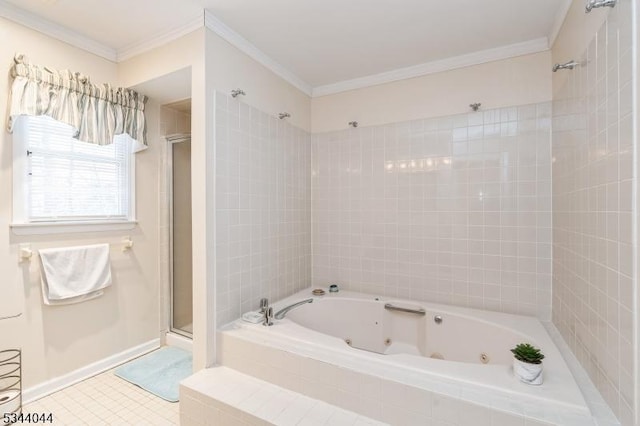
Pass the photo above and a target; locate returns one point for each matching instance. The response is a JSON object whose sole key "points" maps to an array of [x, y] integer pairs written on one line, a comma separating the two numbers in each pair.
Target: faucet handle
{"points": [[268, 316], [264, 304]]}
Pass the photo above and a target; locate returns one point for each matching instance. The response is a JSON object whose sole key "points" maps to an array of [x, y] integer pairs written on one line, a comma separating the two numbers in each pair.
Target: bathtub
{"points": [[394, 327], [460, 352]]}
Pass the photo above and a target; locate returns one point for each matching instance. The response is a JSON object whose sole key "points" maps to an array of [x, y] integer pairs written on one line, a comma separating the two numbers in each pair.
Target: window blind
{"points": [[70, 180]]}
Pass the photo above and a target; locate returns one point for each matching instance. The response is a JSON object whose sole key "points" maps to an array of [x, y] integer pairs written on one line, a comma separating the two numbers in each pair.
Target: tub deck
{"points": [[302, 359]]}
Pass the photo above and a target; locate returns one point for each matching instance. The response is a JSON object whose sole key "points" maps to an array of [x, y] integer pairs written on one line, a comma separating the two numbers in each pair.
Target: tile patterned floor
{"points": [[106, 400]]}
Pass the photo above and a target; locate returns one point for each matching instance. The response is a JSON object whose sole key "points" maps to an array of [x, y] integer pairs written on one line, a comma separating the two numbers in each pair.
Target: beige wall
{"points": [[58, 340], [516, 81], [173, 56], [225, 69], [228, 68], [188, 51]]}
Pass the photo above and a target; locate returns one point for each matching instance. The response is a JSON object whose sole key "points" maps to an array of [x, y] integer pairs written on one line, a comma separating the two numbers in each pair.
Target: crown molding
{"points": [[244, 45], [475, 58], [210, 21], [557, 24], [158, 40], [64, 34], [56, 31]]}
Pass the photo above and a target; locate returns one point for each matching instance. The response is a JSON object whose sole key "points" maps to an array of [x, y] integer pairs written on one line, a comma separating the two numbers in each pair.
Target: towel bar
{"points": [[127, 243], [25, 252]]}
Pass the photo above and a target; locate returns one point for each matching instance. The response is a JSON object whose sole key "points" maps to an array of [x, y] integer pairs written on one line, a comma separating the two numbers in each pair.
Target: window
{"points": [[60, 180]]}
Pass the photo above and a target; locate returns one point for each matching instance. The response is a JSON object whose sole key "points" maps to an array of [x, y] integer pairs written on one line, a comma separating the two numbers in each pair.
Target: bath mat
{"points": [[159, 372]]}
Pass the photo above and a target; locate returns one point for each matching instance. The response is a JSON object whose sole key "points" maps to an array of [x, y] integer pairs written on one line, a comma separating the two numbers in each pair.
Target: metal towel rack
{"points": [[11, 379]]}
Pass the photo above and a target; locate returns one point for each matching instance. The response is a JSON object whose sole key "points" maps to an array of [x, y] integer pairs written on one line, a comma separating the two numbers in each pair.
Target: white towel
{"points": [[74, 274]]}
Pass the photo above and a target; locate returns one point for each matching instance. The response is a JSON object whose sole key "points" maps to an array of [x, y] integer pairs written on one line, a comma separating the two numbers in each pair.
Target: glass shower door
{"points": [[180, 222]]}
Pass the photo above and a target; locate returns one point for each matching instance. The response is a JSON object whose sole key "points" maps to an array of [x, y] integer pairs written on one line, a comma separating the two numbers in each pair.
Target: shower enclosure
{"points": [[179, 182]]}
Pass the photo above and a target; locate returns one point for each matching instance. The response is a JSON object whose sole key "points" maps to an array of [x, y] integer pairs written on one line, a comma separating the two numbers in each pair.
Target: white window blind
{"points": [[64, 179]]}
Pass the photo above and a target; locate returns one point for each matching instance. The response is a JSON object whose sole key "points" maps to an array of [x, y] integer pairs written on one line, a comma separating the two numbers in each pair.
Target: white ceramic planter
{"points": [[528, 373]]}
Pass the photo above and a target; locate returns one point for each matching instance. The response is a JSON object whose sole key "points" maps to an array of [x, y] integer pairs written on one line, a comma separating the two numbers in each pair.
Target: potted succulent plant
{"points": [[527, 364]]}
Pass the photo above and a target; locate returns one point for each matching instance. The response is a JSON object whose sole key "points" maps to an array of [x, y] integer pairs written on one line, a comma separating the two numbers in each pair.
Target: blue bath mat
{"points": [[159, 372]]}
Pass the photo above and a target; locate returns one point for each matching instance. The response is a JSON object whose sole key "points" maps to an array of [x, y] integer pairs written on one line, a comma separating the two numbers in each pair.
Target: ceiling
{"points": [[117, 24], [172, 89], [321, 42], [181, 106], [326, 41]]}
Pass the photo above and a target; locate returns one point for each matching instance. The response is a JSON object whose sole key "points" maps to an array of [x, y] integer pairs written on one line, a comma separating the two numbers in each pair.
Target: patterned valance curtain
{"points": [[98, 113]]}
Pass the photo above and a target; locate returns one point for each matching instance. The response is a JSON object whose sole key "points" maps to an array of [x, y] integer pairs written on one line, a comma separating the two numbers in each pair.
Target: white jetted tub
{"points": [[463, 352], [393, 327]]}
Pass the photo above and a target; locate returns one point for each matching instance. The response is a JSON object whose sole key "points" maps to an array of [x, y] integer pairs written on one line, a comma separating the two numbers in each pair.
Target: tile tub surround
{"points": [[263, 208], [357, 385], [593, 212], [453, 210]]}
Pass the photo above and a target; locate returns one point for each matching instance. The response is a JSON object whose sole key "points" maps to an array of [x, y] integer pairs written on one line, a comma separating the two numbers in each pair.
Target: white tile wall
{"points": [[593, 213], [455, 209], [263, 208]]}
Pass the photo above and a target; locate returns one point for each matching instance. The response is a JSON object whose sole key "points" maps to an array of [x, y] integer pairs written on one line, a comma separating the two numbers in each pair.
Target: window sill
{"points": [[71, 227]]}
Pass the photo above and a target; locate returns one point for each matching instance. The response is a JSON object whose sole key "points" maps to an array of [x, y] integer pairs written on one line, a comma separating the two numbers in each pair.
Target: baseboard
{"points": [[173, 339], [43, 389]]}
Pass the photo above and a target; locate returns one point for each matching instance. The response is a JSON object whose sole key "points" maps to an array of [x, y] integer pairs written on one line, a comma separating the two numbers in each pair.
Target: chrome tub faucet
{"points": [[282, 312]]}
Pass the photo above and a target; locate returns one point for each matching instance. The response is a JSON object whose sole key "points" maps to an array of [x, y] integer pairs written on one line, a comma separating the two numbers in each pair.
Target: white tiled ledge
{"points": [[224, 396], [601, 412]]}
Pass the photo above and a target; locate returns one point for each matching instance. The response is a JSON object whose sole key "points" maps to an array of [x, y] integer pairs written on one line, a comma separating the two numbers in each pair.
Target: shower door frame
{"points": [[170, 144]]}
